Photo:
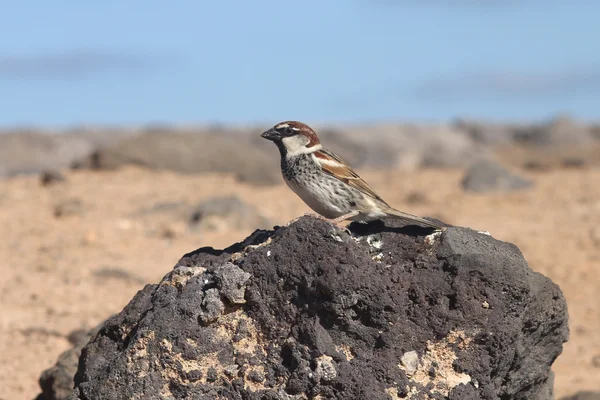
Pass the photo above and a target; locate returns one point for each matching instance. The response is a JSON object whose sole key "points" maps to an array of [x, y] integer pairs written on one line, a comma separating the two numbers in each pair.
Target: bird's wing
{"points": [[334, 166]]}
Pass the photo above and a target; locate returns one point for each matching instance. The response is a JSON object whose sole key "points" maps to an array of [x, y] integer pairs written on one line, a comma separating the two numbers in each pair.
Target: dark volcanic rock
{"points": [[487, 176], [311, 311], [57, 382]]}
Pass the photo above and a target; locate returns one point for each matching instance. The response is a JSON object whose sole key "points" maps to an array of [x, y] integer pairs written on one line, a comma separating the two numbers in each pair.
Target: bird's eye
{"points": [[288, 130]]}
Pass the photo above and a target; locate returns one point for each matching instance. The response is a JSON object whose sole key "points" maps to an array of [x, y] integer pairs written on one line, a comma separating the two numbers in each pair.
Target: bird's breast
{"points": [[321, 192]]}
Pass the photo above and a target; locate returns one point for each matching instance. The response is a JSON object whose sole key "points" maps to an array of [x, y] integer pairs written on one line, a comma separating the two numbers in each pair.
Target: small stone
{"points": [[194, 375], [374, 242], [167, 231], [211, 375], [231, 280], [432, 238], [432, 372], [69, 207], [241, 331], [378, 257], [212, 307], [50, 177], [325, 369], [485, 305], [231, 370], [256, 376], [416, 198], [410, 362]]}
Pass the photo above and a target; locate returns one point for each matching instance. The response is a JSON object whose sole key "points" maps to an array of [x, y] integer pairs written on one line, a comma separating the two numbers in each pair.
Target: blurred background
{"points": [[129, 136]]}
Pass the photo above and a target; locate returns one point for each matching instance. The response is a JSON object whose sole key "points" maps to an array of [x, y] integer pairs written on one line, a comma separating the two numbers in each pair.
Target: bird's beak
{"points": [[271, 134]]}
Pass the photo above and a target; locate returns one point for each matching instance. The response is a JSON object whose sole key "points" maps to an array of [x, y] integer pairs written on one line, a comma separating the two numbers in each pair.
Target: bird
{"points": [[326, 183]]}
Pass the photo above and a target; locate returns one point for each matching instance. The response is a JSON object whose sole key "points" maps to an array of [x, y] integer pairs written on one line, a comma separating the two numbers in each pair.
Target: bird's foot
{"points": [[344, 217]]}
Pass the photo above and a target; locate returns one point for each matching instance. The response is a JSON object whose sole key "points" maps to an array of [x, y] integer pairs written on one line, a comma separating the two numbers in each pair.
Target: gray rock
{"points": [[32, 151], [226, 212], [546, 391], [583, 396], [450, 149], [487, 133], [322, 318], [231, 280], [415, 146], [365, 154], [561, 130], [488, 176], [188, 152], [241, 152]]}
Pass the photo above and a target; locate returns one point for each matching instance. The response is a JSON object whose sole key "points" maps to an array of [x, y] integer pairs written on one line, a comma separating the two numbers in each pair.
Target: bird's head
{"points": [[293, 138]]}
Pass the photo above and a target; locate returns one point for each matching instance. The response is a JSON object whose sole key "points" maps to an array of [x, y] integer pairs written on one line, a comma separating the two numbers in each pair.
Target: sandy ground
{"points": [[62, 274]]}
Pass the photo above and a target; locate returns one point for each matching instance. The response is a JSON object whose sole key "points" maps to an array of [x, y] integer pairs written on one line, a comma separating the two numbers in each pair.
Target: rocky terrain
{"points": [[558, 142], [80, 243]]}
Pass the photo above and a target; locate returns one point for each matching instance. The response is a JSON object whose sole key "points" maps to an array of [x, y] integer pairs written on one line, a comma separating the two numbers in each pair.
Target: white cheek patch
{"points": [[296, 145]]}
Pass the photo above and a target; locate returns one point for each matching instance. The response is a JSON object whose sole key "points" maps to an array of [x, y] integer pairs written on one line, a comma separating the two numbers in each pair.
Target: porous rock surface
{"points": [[310, 311]]}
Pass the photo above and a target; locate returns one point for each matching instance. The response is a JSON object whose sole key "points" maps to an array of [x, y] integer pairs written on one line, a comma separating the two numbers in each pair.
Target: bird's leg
{"points": [[316, 216], [344, 217]]}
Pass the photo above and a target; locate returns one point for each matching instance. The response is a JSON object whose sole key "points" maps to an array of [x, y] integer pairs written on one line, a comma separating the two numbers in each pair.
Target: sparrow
{"points": [[325, 182]]}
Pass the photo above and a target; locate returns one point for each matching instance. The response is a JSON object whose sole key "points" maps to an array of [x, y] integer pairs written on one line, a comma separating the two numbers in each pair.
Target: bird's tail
{"points": [[392, 213]]}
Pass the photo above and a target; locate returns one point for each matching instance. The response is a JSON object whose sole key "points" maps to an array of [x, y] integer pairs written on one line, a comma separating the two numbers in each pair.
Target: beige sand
{"points": [[61, 274]]}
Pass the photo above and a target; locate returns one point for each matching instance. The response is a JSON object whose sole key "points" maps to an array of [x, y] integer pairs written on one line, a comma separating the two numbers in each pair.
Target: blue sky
{"points": [[131, 62]]}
